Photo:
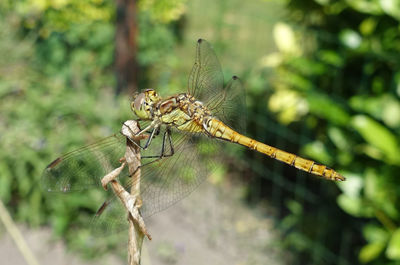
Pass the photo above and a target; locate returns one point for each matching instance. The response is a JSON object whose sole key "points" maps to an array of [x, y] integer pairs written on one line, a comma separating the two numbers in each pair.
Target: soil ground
{"points": [[211, 226]]}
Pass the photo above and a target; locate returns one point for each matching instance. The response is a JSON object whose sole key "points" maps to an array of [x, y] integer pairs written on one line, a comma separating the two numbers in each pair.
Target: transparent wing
{"points": [[110, 219], [230, 105], [206, 79], [206, 83], [83, 168], [163, 181]]}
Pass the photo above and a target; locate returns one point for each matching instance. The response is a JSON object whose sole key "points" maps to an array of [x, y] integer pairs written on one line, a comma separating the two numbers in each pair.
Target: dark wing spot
{"points": [[102, 208], [54, 163]]}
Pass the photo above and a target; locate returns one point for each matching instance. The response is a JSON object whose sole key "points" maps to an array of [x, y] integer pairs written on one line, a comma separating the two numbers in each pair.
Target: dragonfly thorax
{"points": [[193, 107], [181, 111]]}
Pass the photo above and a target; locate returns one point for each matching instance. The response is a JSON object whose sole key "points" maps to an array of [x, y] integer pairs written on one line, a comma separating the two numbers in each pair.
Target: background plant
{"points": [[327, 87]]}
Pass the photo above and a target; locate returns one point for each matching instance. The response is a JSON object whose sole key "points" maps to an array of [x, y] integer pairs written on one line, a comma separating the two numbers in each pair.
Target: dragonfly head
{"points": [[143, 103]]}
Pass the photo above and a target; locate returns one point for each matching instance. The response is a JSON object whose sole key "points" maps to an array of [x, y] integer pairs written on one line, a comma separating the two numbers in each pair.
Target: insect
{"points": [[179, 129]]}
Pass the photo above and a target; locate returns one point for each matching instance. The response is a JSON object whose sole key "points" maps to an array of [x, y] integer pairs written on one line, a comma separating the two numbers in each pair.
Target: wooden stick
{"points": [[131, 201]]}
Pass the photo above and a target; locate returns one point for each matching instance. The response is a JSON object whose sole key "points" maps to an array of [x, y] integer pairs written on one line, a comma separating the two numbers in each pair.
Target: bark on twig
{"points": [[131, 201]]}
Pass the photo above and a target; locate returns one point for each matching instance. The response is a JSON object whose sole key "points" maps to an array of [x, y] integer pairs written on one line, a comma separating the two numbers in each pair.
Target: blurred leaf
{"points": [[163, 10], [391, 112], [307, 67], [352, 187], [285, 39], [374, 233], [379, 193], [355, 206], [371, 105], [393, 249], [298, 81], [368, 25], [371, 251], [378, 136], [295, 207], [351, 200], [365, 6], [339, 138], [317, 151], [289, 104], [391, 7], [350, 38], [156, 44], [271, 60], [324, 107], [330, 57]]}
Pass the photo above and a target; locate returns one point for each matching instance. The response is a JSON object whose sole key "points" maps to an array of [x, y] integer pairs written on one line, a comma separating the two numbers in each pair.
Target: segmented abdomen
{"points": [[218, 129]]}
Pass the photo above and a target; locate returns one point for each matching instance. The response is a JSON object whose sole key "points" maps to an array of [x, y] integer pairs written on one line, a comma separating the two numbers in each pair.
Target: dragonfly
{"points": [[183, 133]]}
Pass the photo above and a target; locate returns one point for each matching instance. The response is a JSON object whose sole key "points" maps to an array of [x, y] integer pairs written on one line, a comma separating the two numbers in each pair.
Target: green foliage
{"points": [[163, 10], [348, 74], [336, 78], [57, 94]]}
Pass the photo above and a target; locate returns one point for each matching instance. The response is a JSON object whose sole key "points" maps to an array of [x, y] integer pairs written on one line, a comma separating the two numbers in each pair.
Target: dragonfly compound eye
{"points": [[137, 103]]}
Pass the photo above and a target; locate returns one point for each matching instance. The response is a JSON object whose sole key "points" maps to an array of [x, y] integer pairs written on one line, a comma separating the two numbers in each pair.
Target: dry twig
{"points": [[131, 201]]}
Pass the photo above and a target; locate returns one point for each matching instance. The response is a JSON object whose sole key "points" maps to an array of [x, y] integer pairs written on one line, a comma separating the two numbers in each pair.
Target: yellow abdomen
{"points": [[218, 129]]}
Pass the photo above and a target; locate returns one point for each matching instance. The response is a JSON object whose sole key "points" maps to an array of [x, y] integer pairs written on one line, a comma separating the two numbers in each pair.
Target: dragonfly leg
{"points": [[170, 142], [156, 131], [162, 154], [167, 134], [151, 125]]}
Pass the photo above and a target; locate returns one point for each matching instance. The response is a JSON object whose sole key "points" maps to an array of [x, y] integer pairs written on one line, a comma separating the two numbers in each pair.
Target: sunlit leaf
{"points": [[164, 10], [296, 81], [391, 7], [307, 67], [350, 38], [393, 249], [366, 6], [326, 108], [380, 193], [285, 39], [354, 206], [368, 104], [352, 186], [368, 26], [391, 113], [377, 135], [339, 138], [371, 251], [331, 57], [317, 151], [375, 233], [385, 107], [289, 104]]}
